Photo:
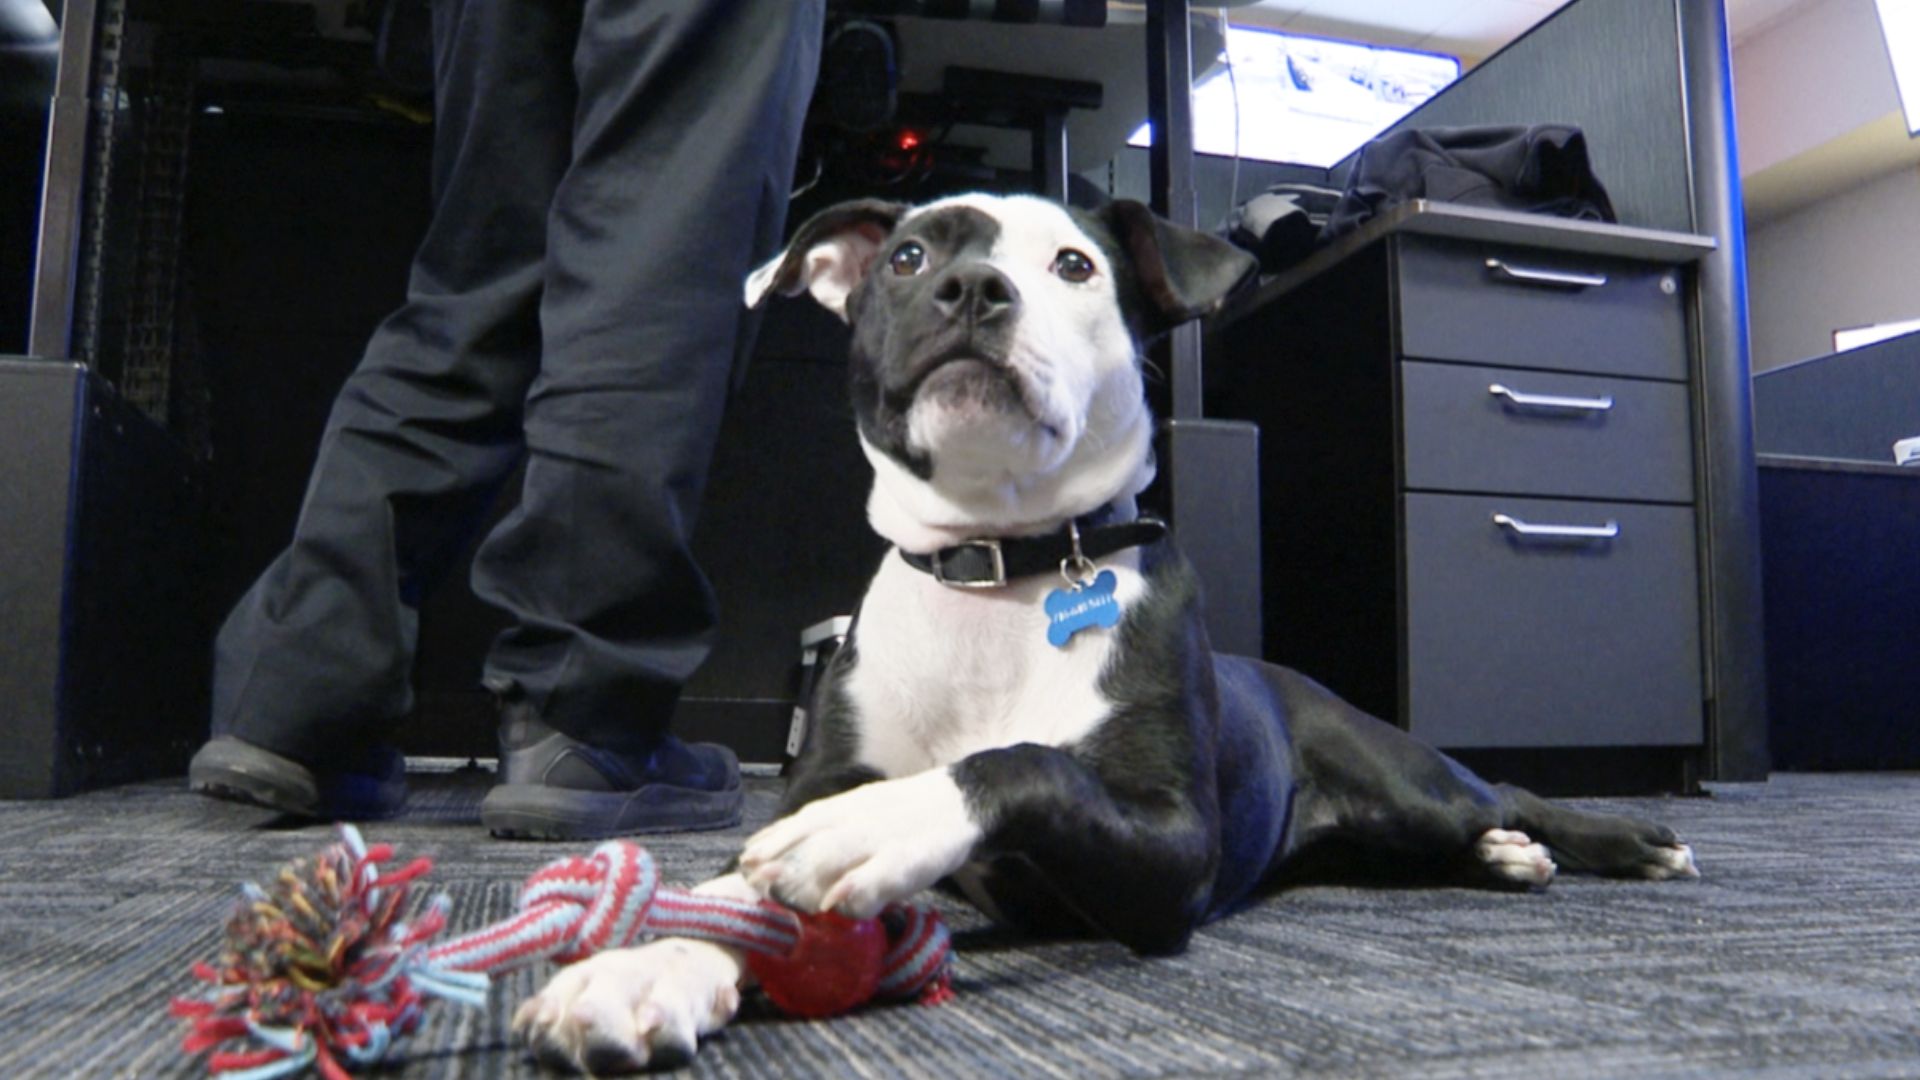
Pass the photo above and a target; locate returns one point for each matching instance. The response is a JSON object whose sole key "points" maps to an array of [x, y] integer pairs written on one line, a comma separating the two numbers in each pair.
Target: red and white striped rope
{"points": [[577, 906]]}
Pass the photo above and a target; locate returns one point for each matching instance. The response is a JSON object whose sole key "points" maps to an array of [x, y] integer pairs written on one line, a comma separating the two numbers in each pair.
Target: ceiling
{"points": [[1469, 29]]}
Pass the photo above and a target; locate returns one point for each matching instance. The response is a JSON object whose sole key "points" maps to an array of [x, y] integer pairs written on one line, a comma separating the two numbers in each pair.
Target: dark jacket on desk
{"points": [[1542, 169]]}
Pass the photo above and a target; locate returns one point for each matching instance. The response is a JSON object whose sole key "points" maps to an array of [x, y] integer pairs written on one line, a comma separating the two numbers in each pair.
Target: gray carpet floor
{"points": [[1797, 954]]}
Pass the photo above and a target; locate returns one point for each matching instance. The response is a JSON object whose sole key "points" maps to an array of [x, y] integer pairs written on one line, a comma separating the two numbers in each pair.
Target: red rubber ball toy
{"points": [[833, 969]]}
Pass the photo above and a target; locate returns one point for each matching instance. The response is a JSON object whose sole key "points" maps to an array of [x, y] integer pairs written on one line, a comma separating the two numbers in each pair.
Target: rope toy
{"points": [[324, 968]]}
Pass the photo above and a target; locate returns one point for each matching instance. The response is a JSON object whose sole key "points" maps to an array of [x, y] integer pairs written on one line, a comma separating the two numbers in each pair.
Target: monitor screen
{"points": [[1900, 22], [1306, 100]]}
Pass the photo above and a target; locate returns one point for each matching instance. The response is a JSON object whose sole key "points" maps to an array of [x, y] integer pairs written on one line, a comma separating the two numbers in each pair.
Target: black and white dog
{"points": [[1085, 763]]}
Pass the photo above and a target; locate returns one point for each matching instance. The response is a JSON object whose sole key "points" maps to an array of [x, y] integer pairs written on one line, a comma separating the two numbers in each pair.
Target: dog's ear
{"points": [[1182, 274], [829, 255]]}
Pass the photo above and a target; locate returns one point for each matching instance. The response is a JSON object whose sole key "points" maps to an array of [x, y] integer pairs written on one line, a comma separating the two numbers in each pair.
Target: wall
{"points": [[1849, 261], [1806, 86], [1808, 78]]}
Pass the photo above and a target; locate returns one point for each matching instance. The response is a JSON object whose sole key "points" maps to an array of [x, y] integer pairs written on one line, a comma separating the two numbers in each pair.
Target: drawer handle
{"points": [[1557, 532], [1552, 401], [1533, 275]]}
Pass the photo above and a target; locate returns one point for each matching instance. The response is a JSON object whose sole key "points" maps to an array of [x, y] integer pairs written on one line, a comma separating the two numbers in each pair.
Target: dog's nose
{"points": [[977, 293]]}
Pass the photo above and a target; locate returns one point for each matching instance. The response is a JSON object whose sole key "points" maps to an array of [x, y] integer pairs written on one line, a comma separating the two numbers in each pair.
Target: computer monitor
{"points": [[1307, 100]]}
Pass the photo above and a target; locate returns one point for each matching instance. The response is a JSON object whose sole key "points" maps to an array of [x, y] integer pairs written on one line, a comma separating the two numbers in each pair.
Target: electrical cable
{"points": [[1233, 83]]}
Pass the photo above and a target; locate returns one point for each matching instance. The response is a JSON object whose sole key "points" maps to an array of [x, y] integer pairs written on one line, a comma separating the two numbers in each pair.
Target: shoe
{"points": [[554, 787], [375, 786]]}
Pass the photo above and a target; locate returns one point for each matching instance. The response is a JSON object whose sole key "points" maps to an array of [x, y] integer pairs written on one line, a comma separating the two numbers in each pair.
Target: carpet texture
{"points": [[1797, 954]]}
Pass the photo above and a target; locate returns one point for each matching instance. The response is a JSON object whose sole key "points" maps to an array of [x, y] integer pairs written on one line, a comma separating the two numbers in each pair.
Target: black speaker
{"points": [[102, 627]]}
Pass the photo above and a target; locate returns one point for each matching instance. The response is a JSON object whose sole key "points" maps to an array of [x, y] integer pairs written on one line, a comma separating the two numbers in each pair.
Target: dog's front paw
{"points": [[863, 849], [629, 1009]]}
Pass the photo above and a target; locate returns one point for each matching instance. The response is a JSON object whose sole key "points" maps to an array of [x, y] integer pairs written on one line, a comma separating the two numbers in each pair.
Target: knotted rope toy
{"points": [[324, 967]]}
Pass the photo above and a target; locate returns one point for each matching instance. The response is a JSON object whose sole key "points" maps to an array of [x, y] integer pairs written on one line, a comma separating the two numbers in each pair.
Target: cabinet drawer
{"points": [[1544, 433], [1488, 303], [1542, 641]]}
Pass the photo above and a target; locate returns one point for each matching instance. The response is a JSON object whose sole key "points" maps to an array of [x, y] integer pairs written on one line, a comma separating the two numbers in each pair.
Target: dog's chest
{"points": [[942, 672]]}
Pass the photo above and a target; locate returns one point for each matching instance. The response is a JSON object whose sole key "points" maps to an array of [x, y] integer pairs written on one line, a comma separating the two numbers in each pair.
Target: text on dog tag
{"points": [[1070, 611]]}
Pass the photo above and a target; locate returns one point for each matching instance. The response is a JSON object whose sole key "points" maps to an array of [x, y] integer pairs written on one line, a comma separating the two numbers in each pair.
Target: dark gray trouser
{"points": [[605, 174]]}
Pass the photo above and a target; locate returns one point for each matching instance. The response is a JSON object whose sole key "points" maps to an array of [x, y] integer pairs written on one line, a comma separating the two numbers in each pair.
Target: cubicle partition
{"points": [[1611, 67], [1840, 523]]}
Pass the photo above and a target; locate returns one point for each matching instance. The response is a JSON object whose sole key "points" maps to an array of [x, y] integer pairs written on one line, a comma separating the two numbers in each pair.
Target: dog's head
{"points": [[996, 350]]}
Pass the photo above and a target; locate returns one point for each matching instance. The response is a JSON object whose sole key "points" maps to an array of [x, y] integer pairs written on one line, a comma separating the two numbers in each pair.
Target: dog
{"points": [[1027, 706]]}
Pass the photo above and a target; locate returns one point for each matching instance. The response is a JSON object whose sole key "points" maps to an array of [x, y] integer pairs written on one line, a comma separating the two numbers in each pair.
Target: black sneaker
{"points": [[553, 787], [374, 786]]}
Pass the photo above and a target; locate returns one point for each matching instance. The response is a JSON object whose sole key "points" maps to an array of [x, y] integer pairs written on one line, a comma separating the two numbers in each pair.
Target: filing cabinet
{"points": [[1478, 463]]}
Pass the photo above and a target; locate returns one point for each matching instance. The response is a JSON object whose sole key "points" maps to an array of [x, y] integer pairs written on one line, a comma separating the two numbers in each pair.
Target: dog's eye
{"points": [[1072, 265], [908, 259]]}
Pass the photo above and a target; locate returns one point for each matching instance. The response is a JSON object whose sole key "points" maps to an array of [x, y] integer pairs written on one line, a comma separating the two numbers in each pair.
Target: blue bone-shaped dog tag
{"points": [[1070, 611]]}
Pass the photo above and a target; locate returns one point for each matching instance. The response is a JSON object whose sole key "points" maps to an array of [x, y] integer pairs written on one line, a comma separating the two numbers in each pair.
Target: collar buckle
{"points": [[996, 560]]}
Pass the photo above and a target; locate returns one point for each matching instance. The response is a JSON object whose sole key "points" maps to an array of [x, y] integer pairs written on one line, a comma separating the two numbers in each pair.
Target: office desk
{"points": [[1478, 459]]}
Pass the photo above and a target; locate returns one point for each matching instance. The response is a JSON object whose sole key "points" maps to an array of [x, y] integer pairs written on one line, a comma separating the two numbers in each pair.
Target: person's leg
{"points": [[314, 664], [684, 149]]}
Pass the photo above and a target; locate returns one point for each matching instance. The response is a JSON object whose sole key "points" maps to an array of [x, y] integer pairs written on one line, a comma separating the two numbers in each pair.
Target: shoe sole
{"points": [[238, 772], [230, 770], [539, 812]]}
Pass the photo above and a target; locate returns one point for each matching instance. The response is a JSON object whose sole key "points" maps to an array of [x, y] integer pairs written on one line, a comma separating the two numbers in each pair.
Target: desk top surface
{"points": [[1810, 463], [1428, 218]]}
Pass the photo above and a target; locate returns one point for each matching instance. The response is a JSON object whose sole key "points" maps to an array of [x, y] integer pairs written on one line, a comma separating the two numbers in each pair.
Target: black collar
{"points": [[991, 562]]}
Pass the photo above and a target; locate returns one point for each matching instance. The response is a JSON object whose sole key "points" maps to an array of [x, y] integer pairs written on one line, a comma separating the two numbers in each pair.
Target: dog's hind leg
{"points": [[1610, 844], [1370, 788]]}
